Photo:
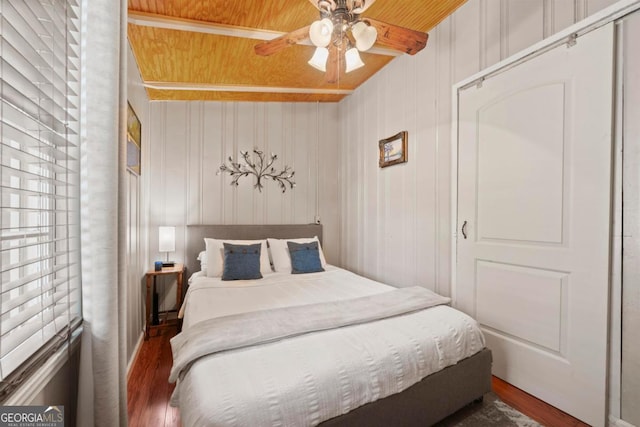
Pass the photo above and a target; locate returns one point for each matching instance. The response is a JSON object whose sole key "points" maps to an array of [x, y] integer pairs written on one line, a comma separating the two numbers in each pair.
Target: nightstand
{"points": [[169, 317]]}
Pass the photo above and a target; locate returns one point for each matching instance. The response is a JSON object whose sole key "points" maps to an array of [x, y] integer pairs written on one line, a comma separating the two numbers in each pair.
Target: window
{"points": [[39, 168]]}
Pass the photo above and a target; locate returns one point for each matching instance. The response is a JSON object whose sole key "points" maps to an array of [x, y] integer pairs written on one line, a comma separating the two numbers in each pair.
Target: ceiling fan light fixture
{"points": [[365, 35], [320, 32], [352, 60], [319, 59]]}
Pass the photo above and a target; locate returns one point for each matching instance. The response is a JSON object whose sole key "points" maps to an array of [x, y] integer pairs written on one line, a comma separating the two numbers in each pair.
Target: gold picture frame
{"points": [[134, 141], [393, 150]]}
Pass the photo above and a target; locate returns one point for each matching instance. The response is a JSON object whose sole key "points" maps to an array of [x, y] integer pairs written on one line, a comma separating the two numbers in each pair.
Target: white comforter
{"points": [[307, 379]]}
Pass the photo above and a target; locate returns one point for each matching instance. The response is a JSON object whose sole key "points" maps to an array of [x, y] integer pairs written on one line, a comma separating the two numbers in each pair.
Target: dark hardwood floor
{"points": [[149, 392], [540, 411], [148, 389]]}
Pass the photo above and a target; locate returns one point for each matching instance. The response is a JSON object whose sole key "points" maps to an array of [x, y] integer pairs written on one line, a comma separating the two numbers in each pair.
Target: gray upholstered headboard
{"points": [[197, 233]]}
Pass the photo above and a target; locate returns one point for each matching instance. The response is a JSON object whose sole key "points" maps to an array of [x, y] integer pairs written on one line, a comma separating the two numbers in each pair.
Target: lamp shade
{"points": [[166, 239], [319, 59], [365, 35], [320, 32], [352, 60]]}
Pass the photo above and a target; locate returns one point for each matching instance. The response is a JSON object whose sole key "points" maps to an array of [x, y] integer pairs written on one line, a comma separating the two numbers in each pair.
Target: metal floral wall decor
{"points": [[258, 166]]}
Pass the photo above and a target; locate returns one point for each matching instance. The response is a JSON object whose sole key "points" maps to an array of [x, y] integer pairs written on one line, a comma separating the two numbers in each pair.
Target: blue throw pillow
{"points": [[305, 257], [241, 262]]}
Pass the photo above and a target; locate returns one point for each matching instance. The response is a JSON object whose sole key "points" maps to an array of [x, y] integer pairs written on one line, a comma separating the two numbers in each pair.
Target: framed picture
{"points": [[134, 141], [393, 150]]}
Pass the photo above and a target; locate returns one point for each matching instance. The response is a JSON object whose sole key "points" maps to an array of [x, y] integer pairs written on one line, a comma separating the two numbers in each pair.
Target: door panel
{"points": [[512, 190], [534, 166], [536, 320]]}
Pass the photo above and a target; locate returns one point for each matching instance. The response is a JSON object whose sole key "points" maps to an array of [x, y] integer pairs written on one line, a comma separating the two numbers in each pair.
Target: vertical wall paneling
{"points": [[279, 139], [304, 127], [615, 302], [366, 145], [410, 187], [563, 15], [594, 6], [504, 29], [580, 10], [328, 176], [137, 202], [360, 167], [229, 148], [466, 51], [274, 129], [243, 138], [213, 187], [630, 390], [446, 71], [261, 138], [348, 158], [192, 139], [426, 171], [526, 26], [194, 164], [548, 18]]}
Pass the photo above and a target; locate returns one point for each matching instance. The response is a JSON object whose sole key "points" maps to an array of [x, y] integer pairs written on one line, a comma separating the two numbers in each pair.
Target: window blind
{"points": [[39, 190]]}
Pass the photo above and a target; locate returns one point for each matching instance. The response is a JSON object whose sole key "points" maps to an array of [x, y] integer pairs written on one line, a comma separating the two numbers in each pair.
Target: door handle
{"points": [[464, 230]]}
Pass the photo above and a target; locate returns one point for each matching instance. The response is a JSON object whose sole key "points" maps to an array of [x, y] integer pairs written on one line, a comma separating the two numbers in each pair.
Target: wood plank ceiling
{"points": [[204, 49]]}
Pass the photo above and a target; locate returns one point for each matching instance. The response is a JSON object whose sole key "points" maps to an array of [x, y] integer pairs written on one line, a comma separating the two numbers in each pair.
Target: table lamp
{"points": [[167, 243]]}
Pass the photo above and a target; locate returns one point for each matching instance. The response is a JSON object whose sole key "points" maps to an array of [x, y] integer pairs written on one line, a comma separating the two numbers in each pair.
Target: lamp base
{"points": [[168, 263]]}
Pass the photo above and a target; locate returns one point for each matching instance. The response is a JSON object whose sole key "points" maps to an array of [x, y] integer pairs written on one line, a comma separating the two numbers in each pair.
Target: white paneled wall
{"points": [[190, 140], [630, 71], [137, 218]]}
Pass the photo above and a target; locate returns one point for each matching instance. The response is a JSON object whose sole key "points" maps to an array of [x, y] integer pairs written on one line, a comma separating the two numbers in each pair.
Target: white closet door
{"points": [[534, 179]]}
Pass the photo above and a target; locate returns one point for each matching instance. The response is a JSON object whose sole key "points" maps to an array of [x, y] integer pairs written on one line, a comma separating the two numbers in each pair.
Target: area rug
{"points": [[491, 412]]}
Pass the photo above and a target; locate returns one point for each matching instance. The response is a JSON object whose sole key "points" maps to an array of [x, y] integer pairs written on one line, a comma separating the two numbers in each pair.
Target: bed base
{"points": [[428, 401]]}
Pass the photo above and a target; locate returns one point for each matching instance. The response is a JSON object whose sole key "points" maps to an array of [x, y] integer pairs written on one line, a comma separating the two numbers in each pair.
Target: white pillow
{"points": [[215, 255], [281, 257], [202, 257]]}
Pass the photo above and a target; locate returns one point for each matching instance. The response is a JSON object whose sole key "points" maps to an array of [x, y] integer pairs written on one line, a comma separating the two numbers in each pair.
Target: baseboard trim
{"points": [[134, 356], [617, 422]]}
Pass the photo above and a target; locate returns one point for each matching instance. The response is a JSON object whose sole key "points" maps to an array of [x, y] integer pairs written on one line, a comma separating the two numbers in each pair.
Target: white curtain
{"points": [[102, 390]]}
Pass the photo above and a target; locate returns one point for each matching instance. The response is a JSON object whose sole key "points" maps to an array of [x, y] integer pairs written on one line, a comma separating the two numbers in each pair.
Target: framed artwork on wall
{"points": [[134, 141], [393, 150]]}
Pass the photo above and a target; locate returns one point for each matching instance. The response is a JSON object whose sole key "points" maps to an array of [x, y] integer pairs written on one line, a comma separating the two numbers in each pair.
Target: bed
{"points": [[387, 356]]}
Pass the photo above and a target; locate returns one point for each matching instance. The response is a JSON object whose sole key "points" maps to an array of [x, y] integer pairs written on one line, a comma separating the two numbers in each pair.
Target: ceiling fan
{"points": [[341, 33]]}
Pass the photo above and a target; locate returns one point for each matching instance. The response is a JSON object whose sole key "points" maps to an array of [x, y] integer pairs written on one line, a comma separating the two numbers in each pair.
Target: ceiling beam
{"points": [[181, 24], [237, 88]]}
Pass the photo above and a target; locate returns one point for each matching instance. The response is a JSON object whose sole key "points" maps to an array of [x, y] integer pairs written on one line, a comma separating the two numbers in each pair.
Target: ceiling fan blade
{"points": [[270, 47], [314, 3], [333, 64], [367, 4], [399, 38]]}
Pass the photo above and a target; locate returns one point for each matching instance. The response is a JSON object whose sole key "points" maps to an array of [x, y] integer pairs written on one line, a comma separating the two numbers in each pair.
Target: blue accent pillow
{"points": [[241, 262], [305, 257]]}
